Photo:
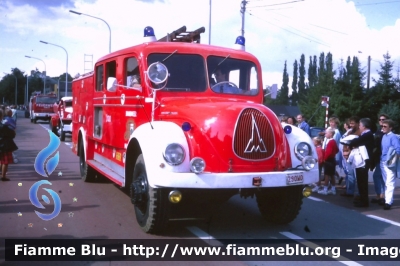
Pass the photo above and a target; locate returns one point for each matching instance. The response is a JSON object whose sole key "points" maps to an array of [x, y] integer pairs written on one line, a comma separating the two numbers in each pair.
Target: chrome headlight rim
{"points": [[297, 152], [193, 160], [167, 153], [309, 163]]}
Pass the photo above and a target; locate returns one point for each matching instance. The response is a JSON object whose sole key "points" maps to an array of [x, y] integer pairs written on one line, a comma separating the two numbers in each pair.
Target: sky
{"points": [[275, 30]]}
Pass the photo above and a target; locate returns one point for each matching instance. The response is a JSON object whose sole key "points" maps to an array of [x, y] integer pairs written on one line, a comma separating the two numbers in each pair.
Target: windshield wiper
{"points": [[220, 63], [165, 59]]}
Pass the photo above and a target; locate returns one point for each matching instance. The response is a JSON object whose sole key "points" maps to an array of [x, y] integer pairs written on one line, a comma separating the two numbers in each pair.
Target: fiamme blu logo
{"points": [[45, 164]]}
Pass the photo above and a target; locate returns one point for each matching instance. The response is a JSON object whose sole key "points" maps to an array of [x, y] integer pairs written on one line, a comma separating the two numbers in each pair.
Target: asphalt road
{"points": [[102, 210]]}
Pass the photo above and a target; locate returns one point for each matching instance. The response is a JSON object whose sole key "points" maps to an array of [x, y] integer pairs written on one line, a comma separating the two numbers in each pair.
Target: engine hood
{"points": [[230, 135]]}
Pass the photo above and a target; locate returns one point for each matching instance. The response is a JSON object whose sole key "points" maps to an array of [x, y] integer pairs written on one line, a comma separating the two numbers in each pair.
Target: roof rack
{"points": [[181, 35]]}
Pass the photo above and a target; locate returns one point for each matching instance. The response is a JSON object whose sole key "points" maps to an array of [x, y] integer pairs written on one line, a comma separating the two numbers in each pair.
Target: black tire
{"points": [[34, 120], [151, 204], [54, 130], [280, 205], [88, 174], [62, 134]]}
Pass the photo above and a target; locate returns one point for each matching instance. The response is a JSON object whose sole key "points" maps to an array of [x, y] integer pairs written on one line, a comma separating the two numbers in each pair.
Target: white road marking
{"points": [[204, 236], [383, 220], [315, 199], [314, 246]]}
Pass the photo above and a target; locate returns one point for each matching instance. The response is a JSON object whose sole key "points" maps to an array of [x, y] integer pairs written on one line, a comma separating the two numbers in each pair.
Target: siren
{"points": [[239, 44], [149, 34]]}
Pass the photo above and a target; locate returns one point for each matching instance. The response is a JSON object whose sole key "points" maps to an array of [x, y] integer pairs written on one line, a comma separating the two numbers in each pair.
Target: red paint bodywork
{"points": [[213, 116]]}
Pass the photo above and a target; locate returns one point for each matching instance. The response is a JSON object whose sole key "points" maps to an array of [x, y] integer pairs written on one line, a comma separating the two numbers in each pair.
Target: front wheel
{"points": [[88, 174], [151, 204], [62, 134], [280, 205]]}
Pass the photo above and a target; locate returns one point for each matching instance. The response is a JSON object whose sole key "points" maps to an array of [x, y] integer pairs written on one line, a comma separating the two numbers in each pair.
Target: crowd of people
{"points": [[354, 153], [357, 152], [7, 134]]}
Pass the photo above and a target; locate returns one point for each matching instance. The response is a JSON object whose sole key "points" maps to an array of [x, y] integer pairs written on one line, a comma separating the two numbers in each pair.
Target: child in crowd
{"points": [[329, 162], [8, 120], [320, 152]]}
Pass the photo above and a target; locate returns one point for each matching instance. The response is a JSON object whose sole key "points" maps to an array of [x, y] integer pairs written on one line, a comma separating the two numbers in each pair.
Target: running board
{"points": [[107, 172]]}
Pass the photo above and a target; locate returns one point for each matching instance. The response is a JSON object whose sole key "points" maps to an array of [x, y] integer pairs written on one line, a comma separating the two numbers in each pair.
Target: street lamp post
{"points": [[66, 71], [44, 79], [79, 13]]}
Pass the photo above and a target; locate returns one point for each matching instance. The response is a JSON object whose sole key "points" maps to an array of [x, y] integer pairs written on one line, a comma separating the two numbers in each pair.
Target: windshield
{"points": [[46, 100], [186, 71], [68, 103], [232, 76]]}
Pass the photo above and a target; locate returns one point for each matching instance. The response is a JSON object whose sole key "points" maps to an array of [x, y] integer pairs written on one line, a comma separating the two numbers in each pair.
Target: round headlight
{"points": [[174, 154], [308, 163], [197, 165], [158, 75], [302, 149]]}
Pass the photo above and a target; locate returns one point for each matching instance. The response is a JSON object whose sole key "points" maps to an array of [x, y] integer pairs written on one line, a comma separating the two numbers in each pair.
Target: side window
{"points": [[132, 73], [253, 81], [99, 78], [111, 69]]}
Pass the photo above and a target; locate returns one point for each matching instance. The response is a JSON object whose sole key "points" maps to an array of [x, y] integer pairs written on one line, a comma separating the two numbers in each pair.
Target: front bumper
{"points": [[235, 180], [67, 126], [43, 115]]}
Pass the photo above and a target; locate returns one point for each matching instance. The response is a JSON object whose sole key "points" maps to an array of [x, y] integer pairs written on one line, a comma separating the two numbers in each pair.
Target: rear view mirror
{"points": [[111, 84]]}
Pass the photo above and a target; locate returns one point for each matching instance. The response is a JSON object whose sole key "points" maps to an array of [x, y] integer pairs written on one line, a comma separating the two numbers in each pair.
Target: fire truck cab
{"points": [[181, 123], [41, 106], [61, 122]]}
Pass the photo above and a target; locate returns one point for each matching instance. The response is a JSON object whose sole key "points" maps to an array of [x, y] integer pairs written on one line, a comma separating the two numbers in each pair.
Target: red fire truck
{"points": [[61, 121], [41, 106], [157, 119]]}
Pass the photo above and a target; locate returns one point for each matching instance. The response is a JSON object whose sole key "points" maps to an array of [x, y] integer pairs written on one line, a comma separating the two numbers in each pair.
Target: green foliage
{"points": [[283, 95], [62, 77], [294, 96], [348, 97], [392, 109], [302, 74]]}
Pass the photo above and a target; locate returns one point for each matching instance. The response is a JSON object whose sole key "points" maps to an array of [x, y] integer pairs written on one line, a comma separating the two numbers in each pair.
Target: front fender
{"points": [[298, 135], [154, 141]]}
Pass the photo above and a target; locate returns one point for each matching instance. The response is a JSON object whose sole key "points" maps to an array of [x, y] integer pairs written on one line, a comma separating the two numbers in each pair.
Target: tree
{"points": [[283, 97], [348, 98], [385, 88], [7, 87], [62, 77], [302, 74], [392, 109], [295, 96]]}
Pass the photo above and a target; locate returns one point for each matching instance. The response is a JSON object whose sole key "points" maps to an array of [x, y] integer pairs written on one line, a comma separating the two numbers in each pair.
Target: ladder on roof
{"points": [[181, 35], [88, 63]]}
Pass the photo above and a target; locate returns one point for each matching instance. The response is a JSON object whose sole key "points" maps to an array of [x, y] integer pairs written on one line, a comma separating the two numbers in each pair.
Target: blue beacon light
{"points": [[186, 126], [240, 43], [149, 35], [287, 129]]}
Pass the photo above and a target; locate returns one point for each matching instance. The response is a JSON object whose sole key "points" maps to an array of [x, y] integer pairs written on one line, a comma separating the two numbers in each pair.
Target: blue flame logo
{"points": [[44, 154], [45, 171], [35, 201]]}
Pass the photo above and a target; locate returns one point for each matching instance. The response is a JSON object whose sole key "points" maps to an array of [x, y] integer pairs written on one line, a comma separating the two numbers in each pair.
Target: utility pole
{"points": [[369, 70], [209, 26], [243, 11]]}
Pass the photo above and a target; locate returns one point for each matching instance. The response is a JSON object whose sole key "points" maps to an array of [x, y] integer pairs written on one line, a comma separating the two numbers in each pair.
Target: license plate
{"points": [[294, 179]]}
